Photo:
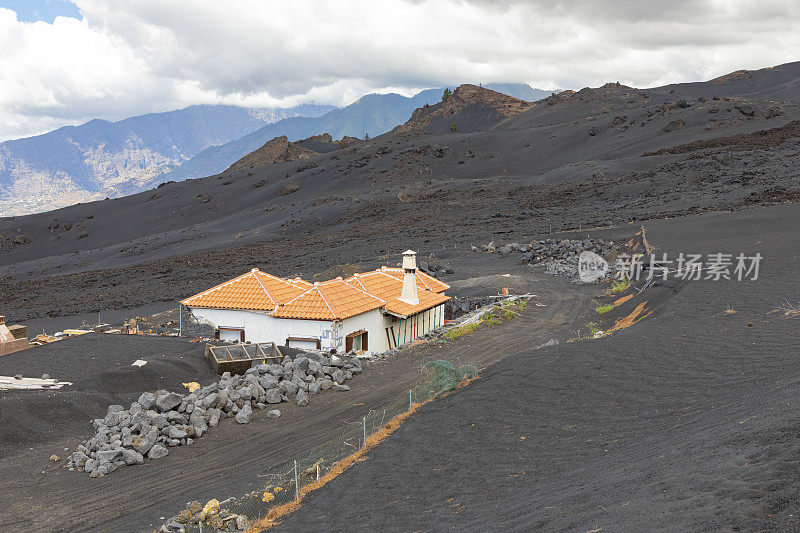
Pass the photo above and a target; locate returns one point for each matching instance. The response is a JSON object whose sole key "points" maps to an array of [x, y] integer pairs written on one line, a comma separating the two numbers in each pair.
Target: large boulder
{"points": [[174, 432], [268, 381], [288, 387], [244, 414], [214, 416], [108, 456], [338, 376], [167, 401], [157, 451], [302, 398], [147, 400], [301, 363], [273, 396], [143, 443], [132, 457], [210, 400]]}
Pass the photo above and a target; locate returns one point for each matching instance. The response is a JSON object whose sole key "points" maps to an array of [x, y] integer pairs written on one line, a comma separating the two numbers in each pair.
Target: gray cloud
{"points": [[134, 57]]}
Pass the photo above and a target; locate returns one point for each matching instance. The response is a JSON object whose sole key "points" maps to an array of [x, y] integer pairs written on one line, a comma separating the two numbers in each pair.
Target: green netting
{"points": [[444, 376]]}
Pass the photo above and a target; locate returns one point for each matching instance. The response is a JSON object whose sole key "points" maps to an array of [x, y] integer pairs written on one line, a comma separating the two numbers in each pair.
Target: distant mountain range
{"points": [[371, 115], [109, 159]]}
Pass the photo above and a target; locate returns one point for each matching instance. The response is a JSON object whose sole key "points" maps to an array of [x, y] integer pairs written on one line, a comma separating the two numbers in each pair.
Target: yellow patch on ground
{"points": [[622, 300], [637, 314], [192, 386]]}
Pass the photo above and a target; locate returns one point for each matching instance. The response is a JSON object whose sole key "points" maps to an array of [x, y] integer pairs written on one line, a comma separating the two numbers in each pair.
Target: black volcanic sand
{"points": [[688, 420], [99, 368], [40, 495], [685, 421]]}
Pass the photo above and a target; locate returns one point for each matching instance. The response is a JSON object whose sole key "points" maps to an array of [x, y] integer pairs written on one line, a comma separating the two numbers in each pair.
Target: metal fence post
{"points": [[410, 402], [364, 420], [296, 482]]}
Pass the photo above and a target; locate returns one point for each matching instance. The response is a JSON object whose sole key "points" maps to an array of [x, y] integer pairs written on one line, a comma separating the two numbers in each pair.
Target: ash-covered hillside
{"points": [[598, 156]]}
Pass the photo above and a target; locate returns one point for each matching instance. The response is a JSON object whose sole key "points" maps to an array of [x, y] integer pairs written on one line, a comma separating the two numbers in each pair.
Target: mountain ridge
{"points": [[100, 159], [103, 158]]}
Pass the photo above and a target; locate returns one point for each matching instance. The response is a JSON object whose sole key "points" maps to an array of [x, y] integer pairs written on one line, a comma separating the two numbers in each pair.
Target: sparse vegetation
{"points": [[491, 320], [454, 128], [601, 309], [594, 331], [620, 286], [509, 314], [466, 329]]}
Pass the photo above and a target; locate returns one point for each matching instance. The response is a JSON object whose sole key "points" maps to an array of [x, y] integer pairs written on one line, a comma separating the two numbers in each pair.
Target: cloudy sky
{"points": [[66, 62]]}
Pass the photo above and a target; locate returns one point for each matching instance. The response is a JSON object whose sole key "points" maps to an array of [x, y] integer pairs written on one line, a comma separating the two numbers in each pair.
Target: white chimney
{"points": [[409, 294]]}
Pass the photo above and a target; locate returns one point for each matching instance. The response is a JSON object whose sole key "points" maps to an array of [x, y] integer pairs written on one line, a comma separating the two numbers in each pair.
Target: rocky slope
{"points": [[370, 115], [469, 109], [280, 149]]}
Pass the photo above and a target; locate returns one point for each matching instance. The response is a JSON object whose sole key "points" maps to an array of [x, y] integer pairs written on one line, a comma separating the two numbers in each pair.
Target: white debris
{"points": [[139, 362], [16, 383]]}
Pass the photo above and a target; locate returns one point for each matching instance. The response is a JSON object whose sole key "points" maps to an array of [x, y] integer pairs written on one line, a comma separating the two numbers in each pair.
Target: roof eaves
{"points": [[215, 287]]}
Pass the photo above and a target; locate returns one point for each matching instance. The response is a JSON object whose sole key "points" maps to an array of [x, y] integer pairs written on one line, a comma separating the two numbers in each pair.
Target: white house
{"points": [[369, 313]]}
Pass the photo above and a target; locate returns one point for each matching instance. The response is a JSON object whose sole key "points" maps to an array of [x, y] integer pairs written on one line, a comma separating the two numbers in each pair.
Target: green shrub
{"points": [[603, 308], [444, 376], [509, 314], [466, 329], [620, 286], [491, 320]]}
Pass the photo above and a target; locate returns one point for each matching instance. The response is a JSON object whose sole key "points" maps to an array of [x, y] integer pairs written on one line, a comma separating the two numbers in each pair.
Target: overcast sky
{"points": [[67, 62]]}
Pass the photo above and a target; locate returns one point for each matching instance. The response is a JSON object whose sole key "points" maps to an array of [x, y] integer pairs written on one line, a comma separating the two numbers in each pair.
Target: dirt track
{"points": [[40, 496]]}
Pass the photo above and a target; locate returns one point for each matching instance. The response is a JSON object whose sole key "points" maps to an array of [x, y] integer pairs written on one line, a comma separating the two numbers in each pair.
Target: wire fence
{"points": [[282, 485]]}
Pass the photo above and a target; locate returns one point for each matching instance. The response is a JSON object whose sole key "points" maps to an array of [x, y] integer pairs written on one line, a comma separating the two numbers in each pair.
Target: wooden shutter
{"points": [[348, 343], [364, 341]]}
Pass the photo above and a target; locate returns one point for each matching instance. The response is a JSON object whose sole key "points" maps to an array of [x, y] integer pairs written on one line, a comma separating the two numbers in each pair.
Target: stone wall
{"points": [[192, 327]]}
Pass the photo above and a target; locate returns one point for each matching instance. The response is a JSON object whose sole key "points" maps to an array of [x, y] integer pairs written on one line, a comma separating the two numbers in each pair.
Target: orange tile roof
{"points": [[424, 280], [255, 290], [301, 282], [386, 286], [329, 300]]}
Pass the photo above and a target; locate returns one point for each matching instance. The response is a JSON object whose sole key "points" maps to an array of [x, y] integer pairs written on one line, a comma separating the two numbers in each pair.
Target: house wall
{"points": [[419, 324], [373, 322], [260, 327]]}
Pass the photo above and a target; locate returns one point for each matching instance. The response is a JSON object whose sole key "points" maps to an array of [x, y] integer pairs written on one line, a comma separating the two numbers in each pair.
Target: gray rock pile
{"points": [[559, 256], [160, 420], [212, 515]]}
